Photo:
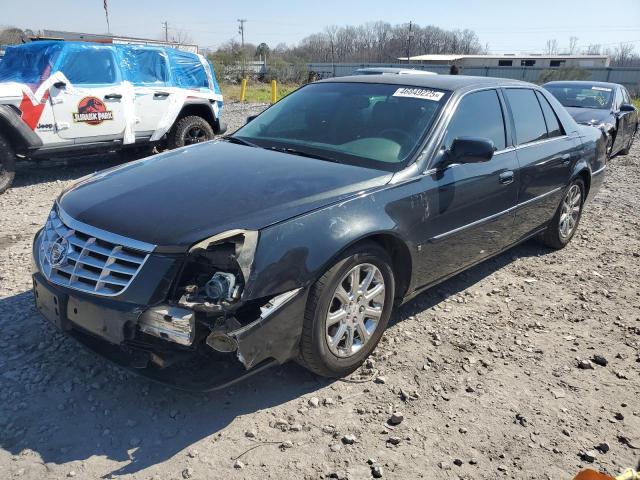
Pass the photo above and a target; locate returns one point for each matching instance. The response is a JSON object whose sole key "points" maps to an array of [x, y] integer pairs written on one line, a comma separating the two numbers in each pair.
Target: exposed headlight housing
{"points": [[217, 269]]}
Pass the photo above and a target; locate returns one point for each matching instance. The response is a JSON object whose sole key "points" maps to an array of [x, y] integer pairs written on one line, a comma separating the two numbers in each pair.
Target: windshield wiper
{"points": [[240, 141], [293, 151]]}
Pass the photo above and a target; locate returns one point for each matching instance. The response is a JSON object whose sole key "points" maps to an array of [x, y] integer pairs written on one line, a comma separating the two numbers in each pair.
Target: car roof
{"points": [[442, 82], [394, 70], [585, 83]]}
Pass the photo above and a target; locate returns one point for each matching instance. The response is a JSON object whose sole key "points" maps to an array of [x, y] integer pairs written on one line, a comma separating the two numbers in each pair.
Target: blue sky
{"points": [[505, 25]]}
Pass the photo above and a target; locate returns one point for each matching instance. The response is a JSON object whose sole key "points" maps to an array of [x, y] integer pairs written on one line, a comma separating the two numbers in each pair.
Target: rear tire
{"points": [[363, 310], [565, 222], [189, 131], [7, 164]]}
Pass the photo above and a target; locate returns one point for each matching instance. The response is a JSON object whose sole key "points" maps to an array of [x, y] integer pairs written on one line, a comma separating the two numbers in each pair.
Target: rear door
{"points": [[545, 155], [470, 213], [90, 108], [150, 77]]}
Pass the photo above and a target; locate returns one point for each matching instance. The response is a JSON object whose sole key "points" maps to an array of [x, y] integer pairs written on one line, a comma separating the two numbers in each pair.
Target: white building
{"points": [[513, 60]]}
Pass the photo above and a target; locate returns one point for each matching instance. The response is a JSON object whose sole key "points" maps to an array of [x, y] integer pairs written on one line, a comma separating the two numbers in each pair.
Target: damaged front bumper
{"points": [[167, 342]]}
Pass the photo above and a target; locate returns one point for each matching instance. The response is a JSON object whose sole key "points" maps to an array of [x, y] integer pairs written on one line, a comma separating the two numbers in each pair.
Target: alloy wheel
{"points": [[195, 135], [570, 213], [355, 310]]}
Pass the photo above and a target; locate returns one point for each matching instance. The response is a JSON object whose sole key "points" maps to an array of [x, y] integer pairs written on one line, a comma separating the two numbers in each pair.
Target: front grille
{"points": [[84, 258]]}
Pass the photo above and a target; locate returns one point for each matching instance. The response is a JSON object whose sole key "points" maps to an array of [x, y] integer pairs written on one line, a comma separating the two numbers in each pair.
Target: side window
{"points": [[150, 67], [527, 115], [478, 114], [553, 125], [90, 66], [188, 71]]}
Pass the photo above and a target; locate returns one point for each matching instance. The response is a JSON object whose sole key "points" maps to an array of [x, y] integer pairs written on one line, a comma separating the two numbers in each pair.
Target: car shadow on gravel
{"points": [[467, 279], [69, 405]]}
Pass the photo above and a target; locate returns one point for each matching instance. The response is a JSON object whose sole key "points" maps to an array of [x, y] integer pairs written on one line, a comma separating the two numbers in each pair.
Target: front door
{"points": [[470, 206], [91, 107]]}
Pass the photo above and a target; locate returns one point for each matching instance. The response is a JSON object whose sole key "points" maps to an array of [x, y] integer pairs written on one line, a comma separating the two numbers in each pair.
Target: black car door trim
{"points": [[442, 236]]}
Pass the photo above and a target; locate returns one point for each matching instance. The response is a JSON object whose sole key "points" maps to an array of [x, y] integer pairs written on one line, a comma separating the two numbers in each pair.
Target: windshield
{"points": [[371, 125], [30, 64], [582, 96]]}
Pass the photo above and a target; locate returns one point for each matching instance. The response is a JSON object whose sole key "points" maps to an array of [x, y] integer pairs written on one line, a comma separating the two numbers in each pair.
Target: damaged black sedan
{"points": [[296, 236]]}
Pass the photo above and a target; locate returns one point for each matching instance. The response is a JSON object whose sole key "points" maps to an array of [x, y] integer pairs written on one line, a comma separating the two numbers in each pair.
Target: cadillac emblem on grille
{"points": [[57, 252]]}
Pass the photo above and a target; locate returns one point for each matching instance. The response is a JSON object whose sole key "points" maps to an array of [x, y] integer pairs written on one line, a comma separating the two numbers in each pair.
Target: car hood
{"points": [[177, 198], [594, 116]]}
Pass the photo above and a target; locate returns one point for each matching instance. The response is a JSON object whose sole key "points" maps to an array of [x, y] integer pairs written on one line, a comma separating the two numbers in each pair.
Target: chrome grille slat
{"points": [[94, 261]]}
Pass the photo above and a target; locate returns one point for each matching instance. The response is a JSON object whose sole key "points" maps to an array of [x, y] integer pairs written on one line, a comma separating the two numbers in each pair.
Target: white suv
{"points": [[65, 97]]}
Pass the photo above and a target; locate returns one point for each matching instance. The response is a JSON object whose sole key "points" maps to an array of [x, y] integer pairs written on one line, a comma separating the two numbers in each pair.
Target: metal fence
{"points": [[627, 76]]}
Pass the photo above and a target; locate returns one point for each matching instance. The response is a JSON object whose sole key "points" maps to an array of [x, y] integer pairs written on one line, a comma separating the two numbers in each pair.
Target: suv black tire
{"points": [[315, 353], [552, 236], [7, 164], [192, 126]]}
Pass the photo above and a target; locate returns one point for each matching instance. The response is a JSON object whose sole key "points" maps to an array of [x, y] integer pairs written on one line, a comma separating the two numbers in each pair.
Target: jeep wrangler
{"points": [[67, 98]]}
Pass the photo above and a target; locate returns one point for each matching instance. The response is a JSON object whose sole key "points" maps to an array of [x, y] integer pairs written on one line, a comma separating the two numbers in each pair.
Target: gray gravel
{"points": [[484, 370]]}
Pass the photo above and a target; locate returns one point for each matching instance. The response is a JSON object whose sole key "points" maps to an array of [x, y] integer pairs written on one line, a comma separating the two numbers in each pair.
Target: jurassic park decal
{"points": [[92, 111]]}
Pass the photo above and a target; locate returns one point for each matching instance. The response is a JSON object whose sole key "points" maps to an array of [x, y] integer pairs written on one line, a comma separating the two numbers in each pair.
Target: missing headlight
{"points": [[216, 271]]}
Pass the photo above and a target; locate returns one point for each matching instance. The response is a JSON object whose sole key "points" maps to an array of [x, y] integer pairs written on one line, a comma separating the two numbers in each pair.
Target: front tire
{"points": [[189, 131], [347, 311], [7, 164], [565, 222]]}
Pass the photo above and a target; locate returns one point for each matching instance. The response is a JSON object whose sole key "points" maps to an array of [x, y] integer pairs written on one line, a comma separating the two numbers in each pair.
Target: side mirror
{"points": [[627, 107], [251, 118], [60, 85], [469, 150]]}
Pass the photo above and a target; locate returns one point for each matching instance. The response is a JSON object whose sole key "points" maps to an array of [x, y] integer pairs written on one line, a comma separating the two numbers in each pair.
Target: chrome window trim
{"points": [[439, 237], [74, 224], [599, 171], [538, 142]]}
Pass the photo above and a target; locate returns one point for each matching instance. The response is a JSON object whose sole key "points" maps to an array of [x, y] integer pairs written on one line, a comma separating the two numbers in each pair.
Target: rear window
{"points": [[527, 115], [553, 125], [188, 71]]}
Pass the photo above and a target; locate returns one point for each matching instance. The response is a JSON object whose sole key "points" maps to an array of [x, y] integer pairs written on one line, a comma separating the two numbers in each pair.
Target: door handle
{"points": [[566, 158], [112, 96], [161, 94], [506, 177]]}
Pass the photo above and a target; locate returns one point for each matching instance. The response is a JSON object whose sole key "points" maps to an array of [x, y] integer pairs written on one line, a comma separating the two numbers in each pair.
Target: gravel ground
{"points": [[526, 366]]}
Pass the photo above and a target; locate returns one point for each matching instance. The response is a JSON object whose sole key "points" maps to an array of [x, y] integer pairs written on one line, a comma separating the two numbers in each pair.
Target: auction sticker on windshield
{"points": [[422, 93]]}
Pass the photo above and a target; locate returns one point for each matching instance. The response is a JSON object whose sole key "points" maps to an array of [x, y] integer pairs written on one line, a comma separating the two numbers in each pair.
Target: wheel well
{"points": [[201, 110], [400, 257], [586, 178]]}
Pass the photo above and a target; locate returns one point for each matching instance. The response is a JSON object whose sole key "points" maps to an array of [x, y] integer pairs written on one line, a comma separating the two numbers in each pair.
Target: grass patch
{"points": [[636, 102], [256, 92]]}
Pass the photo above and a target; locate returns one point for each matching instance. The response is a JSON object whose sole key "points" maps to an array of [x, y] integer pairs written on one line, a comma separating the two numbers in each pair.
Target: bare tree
{"points": [[623, 55], [551, 47], [573, 45], [13, 35], [593, 49]]}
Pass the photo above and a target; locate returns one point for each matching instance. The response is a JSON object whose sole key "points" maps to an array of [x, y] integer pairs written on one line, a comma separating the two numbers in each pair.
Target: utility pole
{"points": [[166, 31], [241, 22]]}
